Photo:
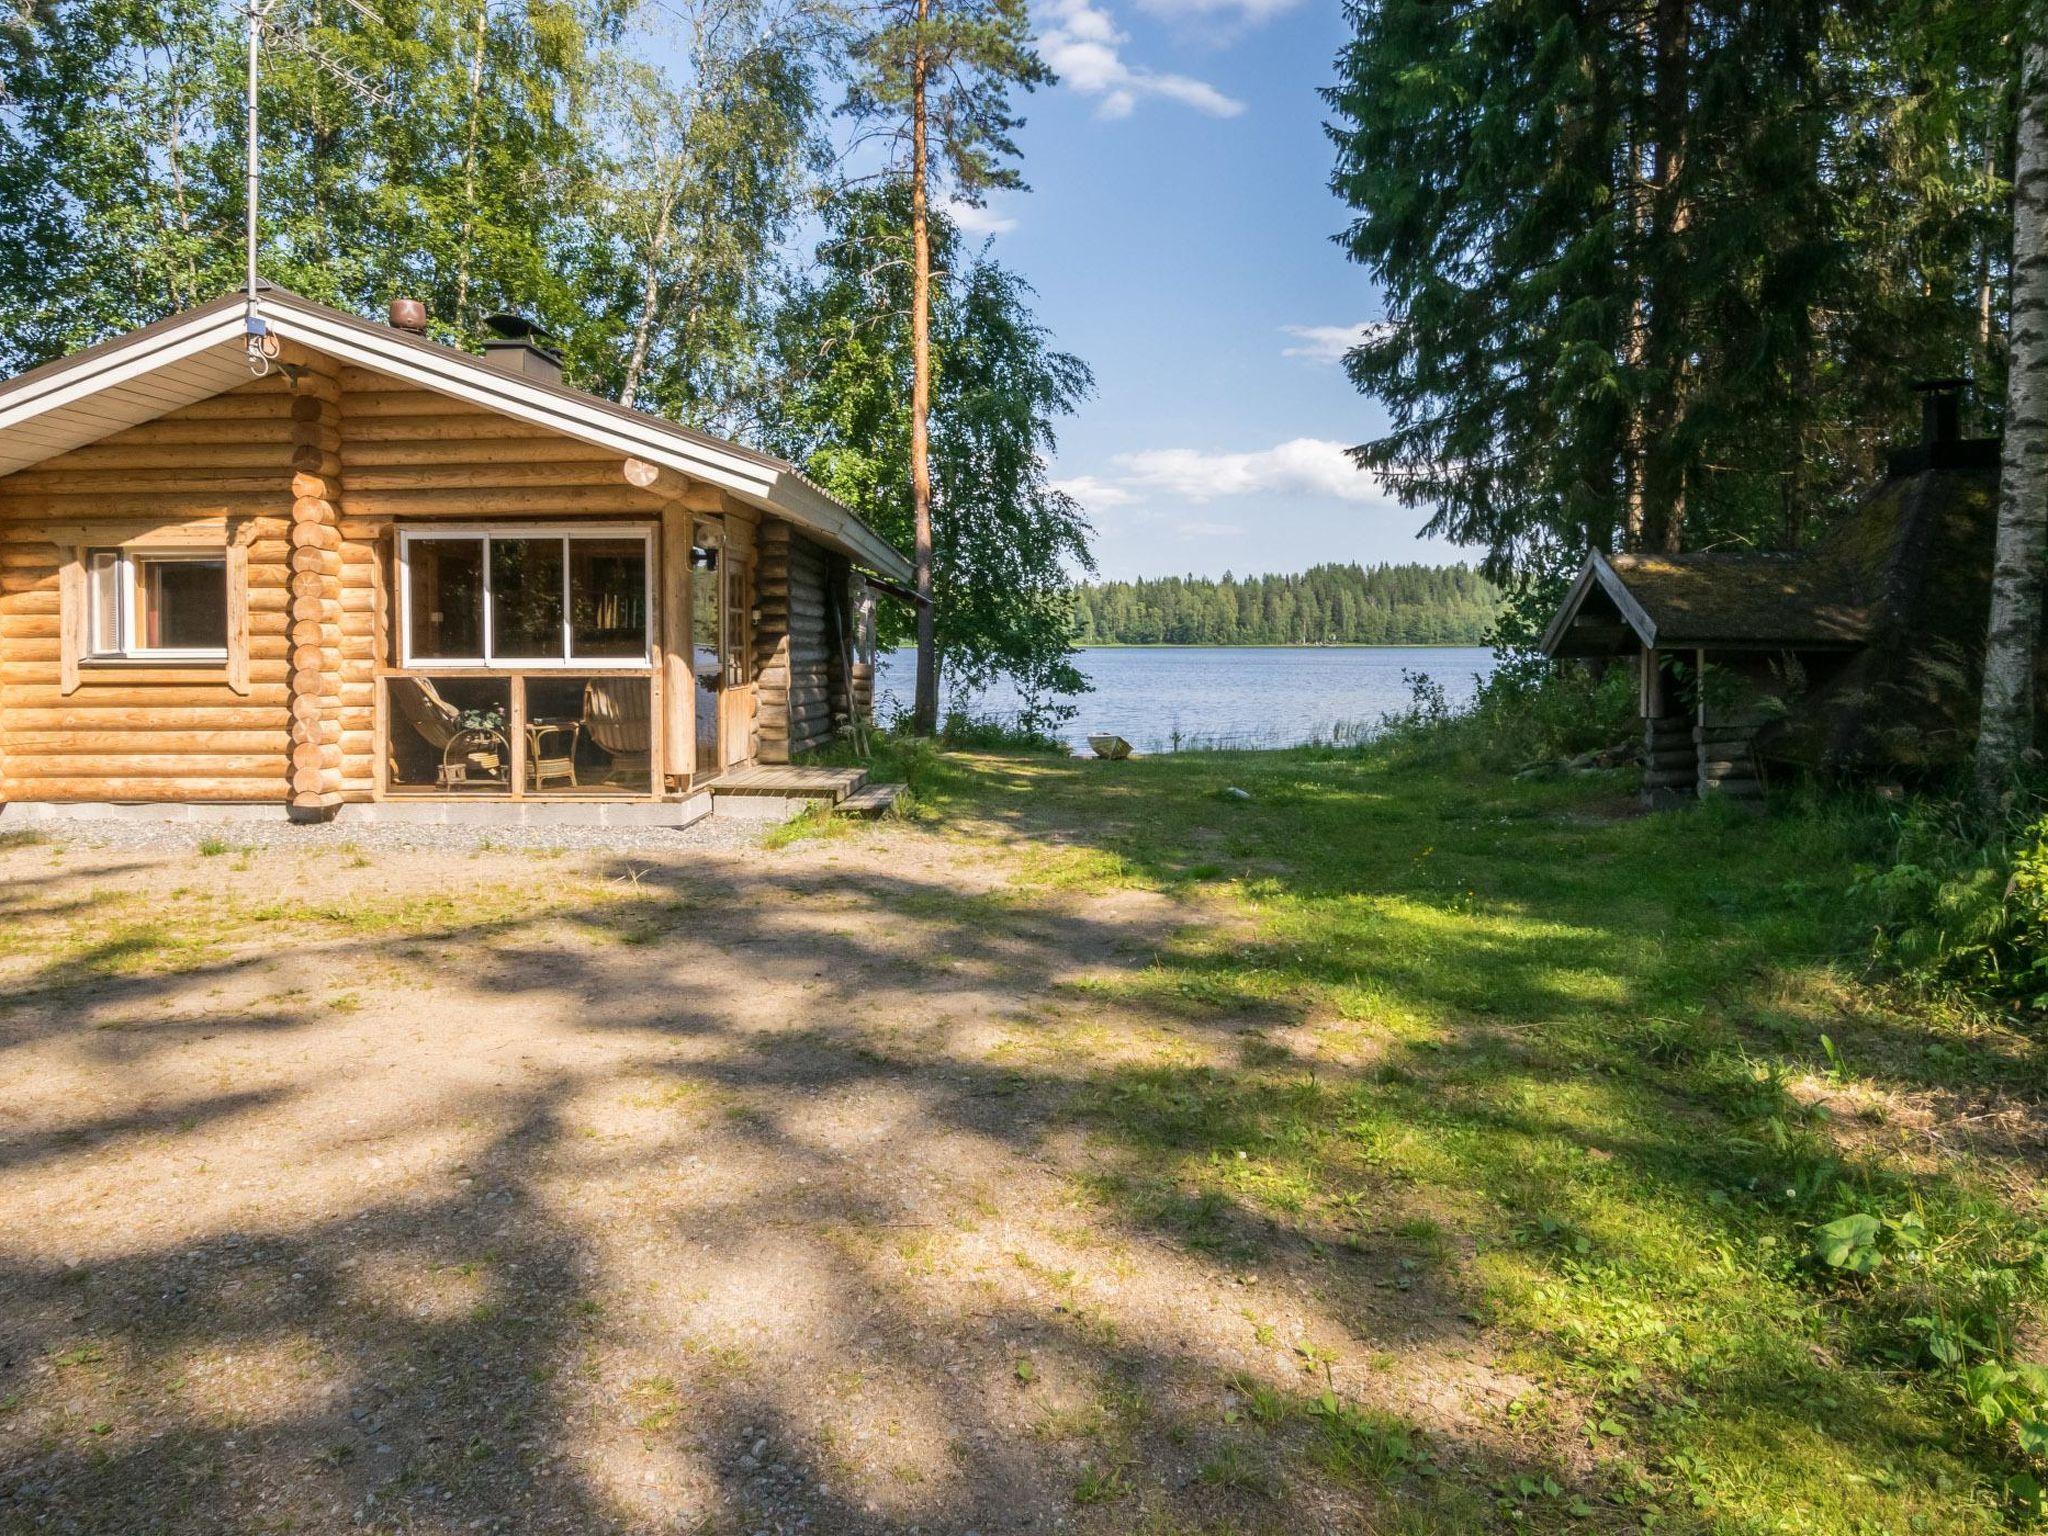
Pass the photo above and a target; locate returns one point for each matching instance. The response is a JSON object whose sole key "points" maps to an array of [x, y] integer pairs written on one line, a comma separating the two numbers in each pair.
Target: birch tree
{"points": [[2006, 728], [935, 76], [1007, 541], [704, 170]]}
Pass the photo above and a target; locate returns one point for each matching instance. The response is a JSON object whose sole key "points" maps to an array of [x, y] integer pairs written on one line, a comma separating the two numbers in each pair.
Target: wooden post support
{"points": [[314, 681], [678, 694]]}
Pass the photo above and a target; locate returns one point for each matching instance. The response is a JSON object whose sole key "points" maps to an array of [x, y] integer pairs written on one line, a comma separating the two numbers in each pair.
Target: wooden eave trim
{"points": [[1632, 612]]}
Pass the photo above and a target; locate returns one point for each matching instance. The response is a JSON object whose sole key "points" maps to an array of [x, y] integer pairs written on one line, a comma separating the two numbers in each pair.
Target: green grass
{"points": [[1566, 1078]]}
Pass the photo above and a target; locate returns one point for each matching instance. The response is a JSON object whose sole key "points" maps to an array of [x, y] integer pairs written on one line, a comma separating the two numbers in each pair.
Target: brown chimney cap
{"points": [[409, 315]]}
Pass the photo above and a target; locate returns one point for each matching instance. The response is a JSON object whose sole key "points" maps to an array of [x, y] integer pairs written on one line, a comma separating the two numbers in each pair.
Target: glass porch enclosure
{"points": [[525, 663]]}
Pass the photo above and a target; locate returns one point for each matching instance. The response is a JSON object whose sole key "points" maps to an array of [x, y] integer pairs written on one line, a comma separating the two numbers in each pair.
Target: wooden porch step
{"points": [[871, 802], [788, 783]]}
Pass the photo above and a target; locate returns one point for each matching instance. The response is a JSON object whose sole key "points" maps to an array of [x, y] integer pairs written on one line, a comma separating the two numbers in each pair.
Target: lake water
{"points": [[1250, 696]]}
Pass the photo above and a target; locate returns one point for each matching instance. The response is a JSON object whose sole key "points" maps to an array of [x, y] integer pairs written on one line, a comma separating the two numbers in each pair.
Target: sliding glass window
{"points": [[525, 597]]}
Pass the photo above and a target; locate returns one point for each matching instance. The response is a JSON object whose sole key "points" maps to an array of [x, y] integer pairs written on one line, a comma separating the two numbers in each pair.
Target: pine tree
{"points": [[1005, 538], [937, 76]]}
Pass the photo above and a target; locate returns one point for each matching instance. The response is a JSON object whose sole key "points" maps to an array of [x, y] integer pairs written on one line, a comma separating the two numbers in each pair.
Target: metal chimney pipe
{"points": [[1941, 409], [409, 315]]}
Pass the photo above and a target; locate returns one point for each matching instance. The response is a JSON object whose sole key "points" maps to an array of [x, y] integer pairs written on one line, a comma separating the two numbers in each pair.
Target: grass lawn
{"points": [[1389, 1148], [1603, 1073]]}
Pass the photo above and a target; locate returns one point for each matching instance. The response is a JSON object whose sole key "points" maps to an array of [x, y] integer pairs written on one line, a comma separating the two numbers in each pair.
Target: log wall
{"points": [[794, 650], [223, 469], [304, 487], [410, 455]]}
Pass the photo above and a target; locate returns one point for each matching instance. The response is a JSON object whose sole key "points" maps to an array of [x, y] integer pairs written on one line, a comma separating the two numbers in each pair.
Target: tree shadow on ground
{"points": [[767, 1195]]}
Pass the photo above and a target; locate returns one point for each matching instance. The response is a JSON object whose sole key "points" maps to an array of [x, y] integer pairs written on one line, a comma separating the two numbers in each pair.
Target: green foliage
{"points": [[1356, 1445], [121, 194], [1004, 538], [1964, 906], [703, 174], [963, 732], [968, 54], [1334, 604], [1660, 278]]}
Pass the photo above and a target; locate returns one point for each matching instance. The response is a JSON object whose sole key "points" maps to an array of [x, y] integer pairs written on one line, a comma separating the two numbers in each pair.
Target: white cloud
{"points": [[1329, 343], [1201, 530], [1095, 493], [979, 221], [1302, 466], [1083, 46]]}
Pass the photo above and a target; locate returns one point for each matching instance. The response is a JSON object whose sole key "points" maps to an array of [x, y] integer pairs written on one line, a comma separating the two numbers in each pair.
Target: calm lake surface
{"points": [[1248, 696]]}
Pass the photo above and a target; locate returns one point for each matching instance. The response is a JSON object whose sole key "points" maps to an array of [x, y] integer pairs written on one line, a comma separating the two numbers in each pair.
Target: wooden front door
{"points": [[736, 700]]}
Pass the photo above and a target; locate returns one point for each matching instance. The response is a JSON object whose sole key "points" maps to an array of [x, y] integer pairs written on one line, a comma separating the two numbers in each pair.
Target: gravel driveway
{"points": [[682, 1189]]}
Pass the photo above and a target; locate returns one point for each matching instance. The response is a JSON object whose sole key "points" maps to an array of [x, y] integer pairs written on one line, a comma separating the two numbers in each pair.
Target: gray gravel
{"points": [[712, 834]]}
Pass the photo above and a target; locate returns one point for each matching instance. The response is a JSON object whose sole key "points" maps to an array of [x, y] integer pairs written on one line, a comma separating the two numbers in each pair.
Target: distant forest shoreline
{"points": [[1326, 605]]}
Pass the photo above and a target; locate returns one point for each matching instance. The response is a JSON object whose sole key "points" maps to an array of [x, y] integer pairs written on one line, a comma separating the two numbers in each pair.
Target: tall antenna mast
{"points": [[261, 348], [252, 324]]}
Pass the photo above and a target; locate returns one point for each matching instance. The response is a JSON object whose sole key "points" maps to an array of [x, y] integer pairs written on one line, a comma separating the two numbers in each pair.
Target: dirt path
{"points": [[736, 1193]]}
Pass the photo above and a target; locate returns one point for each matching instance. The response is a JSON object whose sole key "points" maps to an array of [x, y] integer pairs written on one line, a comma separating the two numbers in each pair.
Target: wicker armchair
{"points": [[463, 749], [615, 713]]}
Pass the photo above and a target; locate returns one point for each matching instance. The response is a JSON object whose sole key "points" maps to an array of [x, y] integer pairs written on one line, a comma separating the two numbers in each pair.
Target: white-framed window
{"points": [[512, 596], [148, 604]]}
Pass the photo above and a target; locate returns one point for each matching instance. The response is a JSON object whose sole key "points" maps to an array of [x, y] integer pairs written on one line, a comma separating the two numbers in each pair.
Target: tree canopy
{"points": [[634, 174], [1006, 541], [1657, 273]]}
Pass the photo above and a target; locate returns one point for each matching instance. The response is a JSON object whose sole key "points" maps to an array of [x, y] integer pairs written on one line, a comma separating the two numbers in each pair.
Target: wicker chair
{"points": [[438, 723], [616, 716]]}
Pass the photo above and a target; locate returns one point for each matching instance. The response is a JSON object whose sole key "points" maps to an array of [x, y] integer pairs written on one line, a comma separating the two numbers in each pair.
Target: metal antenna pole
{"points": [[253, 319], [261, 347]]}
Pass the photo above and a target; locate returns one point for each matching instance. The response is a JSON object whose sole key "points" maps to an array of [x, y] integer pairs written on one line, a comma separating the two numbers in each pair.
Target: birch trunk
{"points": [[650, 303], [2006, 726], [469, 149], [925, 719]]}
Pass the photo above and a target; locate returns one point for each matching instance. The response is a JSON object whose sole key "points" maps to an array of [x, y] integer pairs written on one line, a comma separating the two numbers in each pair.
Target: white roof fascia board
{"points": [[761, 485], [480, 383], [145, 356]]}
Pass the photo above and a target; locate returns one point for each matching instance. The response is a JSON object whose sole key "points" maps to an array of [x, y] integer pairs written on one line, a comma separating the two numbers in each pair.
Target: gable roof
{"points": [[1774, 602], [1896, 565], [191, 356]]}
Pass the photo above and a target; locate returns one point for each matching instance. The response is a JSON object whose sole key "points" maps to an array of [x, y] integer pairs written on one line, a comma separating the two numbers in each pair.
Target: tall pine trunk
{"points": [[2006, 728], [925, 717]]}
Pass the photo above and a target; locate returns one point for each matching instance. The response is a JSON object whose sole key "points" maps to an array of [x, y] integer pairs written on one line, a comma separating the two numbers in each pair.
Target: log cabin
{"points": [[1861, 656], [276, 556]]}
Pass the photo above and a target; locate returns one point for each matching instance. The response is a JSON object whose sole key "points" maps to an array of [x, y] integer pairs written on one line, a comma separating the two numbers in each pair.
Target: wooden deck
{"points": [[828, 784]]}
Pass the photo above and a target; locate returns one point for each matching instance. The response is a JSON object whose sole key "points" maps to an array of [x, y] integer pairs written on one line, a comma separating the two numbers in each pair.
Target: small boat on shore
{"points": [[1115, 748]]}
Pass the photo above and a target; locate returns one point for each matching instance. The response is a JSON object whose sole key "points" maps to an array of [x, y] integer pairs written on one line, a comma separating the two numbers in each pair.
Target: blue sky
{"points": [[1178, 233]]}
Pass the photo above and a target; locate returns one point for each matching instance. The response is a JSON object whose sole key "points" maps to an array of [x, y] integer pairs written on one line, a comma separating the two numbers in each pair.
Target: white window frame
{"points": [[127, 558], [485, 533]]}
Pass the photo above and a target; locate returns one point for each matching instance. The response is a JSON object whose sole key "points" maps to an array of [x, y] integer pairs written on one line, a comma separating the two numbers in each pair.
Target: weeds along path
{"points": [[1390, 1151]]}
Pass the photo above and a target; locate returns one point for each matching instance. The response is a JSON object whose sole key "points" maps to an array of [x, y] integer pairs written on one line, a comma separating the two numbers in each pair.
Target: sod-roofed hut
{"points": [[1860, 655]]}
